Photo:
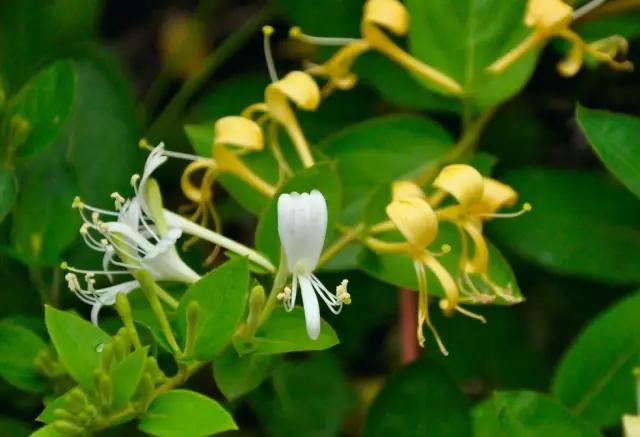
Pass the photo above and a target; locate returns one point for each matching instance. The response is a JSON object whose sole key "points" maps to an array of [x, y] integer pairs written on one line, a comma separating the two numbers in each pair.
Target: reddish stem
{"points": [[407, 321]]}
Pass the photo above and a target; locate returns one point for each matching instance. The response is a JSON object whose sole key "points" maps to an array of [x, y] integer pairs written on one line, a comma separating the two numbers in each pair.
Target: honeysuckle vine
{"points": [[139, 237]]}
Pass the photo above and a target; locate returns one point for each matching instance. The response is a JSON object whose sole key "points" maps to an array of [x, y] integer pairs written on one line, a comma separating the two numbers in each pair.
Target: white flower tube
{"points": [[302, 225]]}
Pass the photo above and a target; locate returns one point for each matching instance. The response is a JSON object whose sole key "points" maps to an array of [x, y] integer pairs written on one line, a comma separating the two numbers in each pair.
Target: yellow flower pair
{"points": [[378, 16], [476, 199], [552, 18]]}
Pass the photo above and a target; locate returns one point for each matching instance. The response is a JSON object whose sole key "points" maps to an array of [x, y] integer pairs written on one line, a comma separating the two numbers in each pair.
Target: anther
{"points": [[84, 229], [118, 200], [134, 180], [77, 203]]}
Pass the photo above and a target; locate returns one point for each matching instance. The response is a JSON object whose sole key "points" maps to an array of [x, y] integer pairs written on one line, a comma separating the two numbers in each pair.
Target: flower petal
{"points": [[311, 307]]}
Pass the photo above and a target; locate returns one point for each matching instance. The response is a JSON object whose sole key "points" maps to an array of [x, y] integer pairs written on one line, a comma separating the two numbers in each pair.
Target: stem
{"points": [[349, 236], [149, 287], [407, 321], [166, 297], [279, 283], [193, 229], [465, 145], [210, 65], [35, 273]]}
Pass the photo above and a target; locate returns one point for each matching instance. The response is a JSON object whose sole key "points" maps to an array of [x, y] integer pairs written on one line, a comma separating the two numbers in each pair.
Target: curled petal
{"points": [[462, 181], [405, 189], [495, 196], [415, 219], [389, 14], [297, 86], [238, 131], [548, 15], [228, 161]]}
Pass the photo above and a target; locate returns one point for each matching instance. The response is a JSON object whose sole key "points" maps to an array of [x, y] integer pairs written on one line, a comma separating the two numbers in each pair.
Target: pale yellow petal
{"points": [[389, 14], [405, 189], [462, 181], [297, 86], [415, 220], [238, 131], [495, 196]]}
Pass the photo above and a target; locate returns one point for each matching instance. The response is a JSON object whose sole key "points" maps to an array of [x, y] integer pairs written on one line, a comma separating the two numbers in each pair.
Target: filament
{"points": [[267, 31], [296, 33]]}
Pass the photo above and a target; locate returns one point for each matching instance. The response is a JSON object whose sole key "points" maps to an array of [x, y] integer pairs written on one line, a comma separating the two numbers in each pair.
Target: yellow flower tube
{"points": [[300, 88]]}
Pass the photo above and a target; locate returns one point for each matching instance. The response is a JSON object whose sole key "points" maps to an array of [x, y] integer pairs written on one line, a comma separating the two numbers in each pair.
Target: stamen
{"points": [[342, 294], [585, 9], [267, 31], [73, 270], [134, 180], [471, 314], [444, 249], [525, 208], [77, 203], [186, 156], [144, 144], [296, 33], [118, 200], [84, 229]]}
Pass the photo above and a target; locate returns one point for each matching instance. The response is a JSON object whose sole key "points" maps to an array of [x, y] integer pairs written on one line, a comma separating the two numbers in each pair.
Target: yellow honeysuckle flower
{"points": [[553, 18], [298, 87], [378, 16], [479, 199], [412, 215]]}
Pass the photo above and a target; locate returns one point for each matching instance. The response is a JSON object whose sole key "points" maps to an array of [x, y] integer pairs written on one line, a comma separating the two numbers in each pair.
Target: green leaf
{"points": [[47, 431], [380, 150], [594, 378], [47, 416], [76, 341], [286, 332], [184, 413], [624, 24], [14, 427], [32, 32], [222, 297], [483, 32], [398, 269], [321, 177], [581, 224], [44, 224], [236, 376], [526, 413], [398, 86], [126, 375], [45, 103], [8, 191], [306, 398], [101, 141], [419, 399], [614, 137], [18, 350], [339, 18]]}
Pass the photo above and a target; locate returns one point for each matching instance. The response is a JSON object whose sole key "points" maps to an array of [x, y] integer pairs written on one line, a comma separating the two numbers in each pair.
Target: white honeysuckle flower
{"points": [[302, 225], [130, 240]]}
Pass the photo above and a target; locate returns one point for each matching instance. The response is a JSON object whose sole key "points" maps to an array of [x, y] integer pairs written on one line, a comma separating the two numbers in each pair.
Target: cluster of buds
{"points": [[474, 200], [85, 410]]}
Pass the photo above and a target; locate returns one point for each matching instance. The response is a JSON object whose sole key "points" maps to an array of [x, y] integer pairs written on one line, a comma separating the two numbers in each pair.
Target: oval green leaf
{"points": [[615, 139], [18, 350], [482, 31], [44, 103], [418, 400], [77, 343], [582, 224], [526, 413], [594, 378], [286, 332], [185, 413], [237, 375], [222, 296]]}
